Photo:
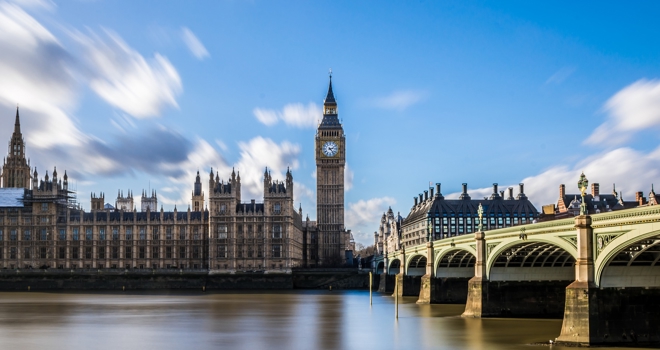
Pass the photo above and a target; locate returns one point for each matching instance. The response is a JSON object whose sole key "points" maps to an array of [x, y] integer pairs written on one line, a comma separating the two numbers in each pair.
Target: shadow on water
{"points": [[251, 320]]}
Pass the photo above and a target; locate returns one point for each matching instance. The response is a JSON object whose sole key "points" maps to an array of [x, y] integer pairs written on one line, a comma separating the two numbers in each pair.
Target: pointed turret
{"points": [[16, 168], [17, 123], [330, 97]]}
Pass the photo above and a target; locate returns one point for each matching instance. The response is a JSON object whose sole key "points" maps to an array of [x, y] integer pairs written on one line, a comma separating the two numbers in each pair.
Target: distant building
{"points": [[568, 205], [388, 237], [435, 217]]}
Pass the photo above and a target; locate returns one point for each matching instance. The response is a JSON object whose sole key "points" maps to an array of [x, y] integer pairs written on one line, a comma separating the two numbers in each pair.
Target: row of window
{"points": [[276, 252], [44, 235], [222, 230], [114, 253], [277, 208]]}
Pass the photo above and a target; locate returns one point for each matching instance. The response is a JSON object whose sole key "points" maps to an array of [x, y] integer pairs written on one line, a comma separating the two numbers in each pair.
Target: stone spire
{"points": [[330, 97], [17, 123]]}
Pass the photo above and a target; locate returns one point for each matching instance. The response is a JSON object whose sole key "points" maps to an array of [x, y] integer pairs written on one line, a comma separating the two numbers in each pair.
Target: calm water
{"points": [[240, 320]]}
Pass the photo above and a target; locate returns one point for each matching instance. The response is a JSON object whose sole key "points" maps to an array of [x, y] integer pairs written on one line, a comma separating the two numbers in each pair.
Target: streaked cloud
{"points": [[39, 74], [399, 100], [561, 75], [194, 44], [36, 4], [293, 114], [635, 108], [348, 178], [607, 168], [259, 153], [363, 216], [125, 79]]}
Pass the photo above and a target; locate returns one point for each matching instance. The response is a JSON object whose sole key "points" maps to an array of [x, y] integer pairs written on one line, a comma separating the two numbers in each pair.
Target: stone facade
{"points": [[16, 168], [42, 227], [254, 236], [45, 228], [436, 217], [330, 167]]}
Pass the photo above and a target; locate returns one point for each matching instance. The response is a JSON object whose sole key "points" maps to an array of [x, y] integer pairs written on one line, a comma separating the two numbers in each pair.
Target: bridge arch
{"points": [[455, 262], [394, 267], [533, 259], [380, 267], [416, 265], [629, 260]]}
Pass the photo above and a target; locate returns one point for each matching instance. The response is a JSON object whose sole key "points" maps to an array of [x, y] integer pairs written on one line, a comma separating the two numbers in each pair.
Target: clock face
{"points": [[330, 149]]}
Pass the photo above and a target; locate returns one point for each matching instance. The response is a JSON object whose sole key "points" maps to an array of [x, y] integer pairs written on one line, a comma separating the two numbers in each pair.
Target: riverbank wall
{"points": [[107, 279]]}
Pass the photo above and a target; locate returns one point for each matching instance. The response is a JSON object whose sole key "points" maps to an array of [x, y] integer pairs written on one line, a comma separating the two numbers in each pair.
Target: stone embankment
{"points": [[108, 279]]}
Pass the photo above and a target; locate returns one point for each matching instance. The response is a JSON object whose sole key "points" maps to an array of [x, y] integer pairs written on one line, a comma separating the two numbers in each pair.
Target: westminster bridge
{"points": [[600, 272]]}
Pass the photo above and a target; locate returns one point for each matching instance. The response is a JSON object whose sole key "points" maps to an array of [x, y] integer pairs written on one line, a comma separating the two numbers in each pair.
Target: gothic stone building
{"points": [[327, 242], [254, 236], [41, 227]]}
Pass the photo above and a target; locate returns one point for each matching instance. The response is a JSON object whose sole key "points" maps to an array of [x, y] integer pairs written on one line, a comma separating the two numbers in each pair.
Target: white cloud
{"points": [[561, 75], [36, 4], [194, 44], [607, 168], [222, 145], [293, 114], [201, 158], [38, 73], [348, 178], [266, 116], [125, 79], [363, 217], [635, 108], [302, 193], [399, 100], [259, 153]]}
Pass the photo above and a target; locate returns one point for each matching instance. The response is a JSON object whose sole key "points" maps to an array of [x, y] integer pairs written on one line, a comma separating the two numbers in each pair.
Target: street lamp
{"points": [[582, 185]]}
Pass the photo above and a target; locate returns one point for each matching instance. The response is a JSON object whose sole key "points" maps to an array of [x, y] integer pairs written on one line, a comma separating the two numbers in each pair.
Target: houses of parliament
{"points": [[41, 226]]}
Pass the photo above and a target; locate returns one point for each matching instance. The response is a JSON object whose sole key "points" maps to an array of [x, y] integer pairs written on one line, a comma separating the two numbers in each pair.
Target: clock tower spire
{"points": [[330, 167]]}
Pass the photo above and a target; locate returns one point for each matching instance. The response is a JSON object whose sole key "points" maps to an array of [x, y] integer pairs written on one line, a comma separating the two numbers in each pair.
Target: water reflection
{"points": [[244, 320]]}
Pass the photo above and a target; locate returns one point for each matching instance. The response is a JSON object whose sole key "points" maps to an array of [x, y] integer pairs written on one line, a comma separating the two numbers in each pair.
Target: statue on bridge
{"points": [[583, 183], [480, 212]]}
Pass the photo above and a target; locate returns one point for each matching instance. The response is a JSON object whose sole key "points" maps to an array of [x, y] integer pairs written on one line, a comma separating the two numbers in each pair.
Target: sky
{"points": [[140, 95]]}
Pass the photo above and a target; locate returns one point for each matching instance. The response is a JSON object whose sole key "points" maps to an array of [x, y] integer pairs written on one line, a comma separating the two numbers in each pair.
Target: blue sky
{"points": [[138, 94]]}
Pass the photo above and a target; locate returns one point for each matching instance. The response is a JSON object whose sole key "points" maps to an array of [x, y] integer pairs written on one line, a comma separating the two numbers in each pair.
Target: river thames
{"points": [[252, 320]]}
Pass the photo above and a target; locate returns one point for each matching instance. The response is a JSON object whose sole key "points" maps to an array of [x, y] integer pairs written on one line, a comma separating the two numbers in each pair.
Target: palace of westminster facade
{"points": [[41, 227]]}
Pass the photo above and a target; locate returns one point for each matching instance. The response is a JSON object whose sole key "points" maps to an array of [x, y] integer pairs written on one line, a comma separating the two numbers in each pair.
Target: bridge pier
{"points": [[581, 294], [408, 285], [427, 286], [386, 283], [475, 298]]}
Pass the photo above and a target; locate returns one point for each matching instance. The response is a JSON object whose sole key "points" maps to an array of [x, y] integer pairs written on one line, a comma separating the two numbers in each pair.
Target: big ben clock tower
{"points": [[330, 164]]}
